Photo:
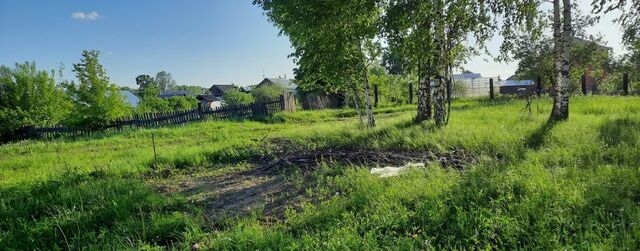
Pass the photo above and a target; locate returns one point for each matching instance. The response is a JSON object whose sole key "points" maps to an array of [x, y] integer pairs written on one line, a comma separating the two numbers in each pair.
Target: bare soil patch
{"points": [[265, 185]]}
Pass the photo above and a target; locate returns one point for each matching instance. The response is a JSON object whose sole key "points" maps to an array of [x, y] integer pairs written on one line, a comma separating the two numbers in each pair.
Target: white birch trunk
{"points": [[562, 37]]}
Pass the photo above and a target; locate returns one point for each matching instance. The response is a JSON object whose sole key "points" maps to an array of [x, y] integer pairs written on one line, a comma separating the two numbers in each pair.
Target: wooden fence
{"points": [[150, 120]]}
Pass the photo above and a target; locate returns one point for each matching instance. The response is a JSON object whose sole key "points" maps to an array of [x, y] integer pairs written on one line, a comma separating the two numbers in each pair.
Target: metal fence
{"points": [[476, 87]]}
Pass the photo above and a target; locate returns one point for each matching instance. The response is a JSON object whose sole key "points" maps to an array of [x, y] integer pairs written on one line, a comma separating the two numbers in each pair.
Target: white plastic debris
{"points": [[389, 171]]}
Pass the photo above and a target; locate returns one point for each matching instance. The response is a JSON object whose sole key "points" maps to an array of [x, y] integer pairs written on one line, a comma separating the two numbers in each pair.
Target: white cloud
{"points": [[89, 16]]}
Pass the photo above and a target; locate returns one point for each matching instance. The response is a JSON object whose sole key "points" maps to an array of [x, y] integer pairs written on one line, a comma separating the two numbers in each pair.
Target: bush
{"points": [[237, 97], [181, 103], [267, 92], [29, 97]]}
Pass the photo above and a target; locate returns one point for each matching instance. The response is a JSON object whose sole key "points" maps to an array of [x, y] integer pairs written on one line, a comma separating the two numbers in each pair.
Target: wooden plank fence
{"points": [[285, 102]]}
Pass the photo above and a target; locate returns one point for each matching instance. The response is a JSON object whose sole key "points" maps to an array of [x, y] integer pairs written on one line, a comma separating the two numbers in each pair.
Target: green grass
{"points": [[567, 185]]}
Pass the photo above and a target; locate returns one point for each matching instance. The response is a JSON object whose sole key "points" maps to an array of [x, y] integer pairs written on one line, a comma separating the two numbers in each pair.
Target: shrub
{"points": [[267, 92], [237, 97], [29, 97], [181, 103]]}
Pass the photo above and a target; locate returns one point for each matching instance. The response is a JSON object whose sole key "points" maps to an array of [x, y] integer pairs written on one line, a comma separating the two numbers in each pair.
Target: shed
{"points": [[511, 86]]}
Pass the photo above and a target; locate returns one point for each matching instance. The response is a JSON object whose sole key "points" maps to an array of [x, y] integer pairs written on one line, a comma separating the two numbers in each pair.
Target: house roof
{"points": [[168, 94], [517, 82], [208, 98], [284, 83], [248, 88], [223, 88], [469, 75], [584, 41], [131, 98]]}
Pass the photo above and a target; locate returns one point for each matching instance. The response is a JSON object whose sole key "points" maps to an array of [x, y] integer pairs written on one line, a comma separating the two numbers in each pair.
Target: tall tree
{"points": [[145, 81], [432, 36], [562, 37], [96, 100], [165, 81], [332, 41]]}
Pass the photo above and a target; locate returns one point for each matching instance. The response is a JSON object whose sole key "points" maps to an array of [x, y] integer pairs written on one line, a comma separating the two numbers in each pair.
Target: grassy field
{"points": [[534, 184]]}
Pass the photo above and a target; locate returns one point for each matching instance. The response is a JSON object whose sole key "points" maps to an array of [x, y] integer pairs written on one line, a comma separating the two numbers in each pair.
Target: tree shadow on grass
{"points": [[620, 131], [536, 140]]}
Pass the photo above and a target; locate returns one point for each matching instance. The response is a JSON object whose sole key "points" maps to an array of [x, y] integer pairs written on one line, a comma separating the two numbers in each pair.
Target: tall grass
{"points": [[567, 185]]}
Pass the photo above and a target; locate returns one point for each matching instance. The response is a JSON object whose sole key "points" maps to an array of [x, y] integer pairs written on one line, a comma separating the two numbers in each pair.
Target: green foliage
{"points": [[182, 103], [96, 100], [29, 97], [330, 48], [145, 81], [392, 89], [237, 97], [266, 93], [193, 90], [579, 177], [92, 211], [165, 81]]}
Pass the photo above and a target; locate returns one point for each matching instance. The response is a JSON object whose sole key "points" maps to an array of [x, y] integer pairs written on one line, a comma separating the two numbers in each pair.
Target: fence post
{"points": [[539, 86], [410, 93], [625, 83], [583, 81], [491, 94], [375, 95]]}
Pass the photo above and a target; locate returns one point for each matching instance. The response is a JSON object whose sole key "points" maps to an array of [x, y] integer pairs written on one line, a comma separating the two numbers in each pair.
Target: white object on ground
{"points": [[389, 171]]}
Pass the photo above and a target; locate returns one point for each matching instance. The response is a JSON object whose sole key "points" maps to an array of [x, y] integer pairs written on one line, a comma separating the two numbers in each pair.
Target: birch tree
{"points": [[330, 39], [562, 37], [434, 35]]}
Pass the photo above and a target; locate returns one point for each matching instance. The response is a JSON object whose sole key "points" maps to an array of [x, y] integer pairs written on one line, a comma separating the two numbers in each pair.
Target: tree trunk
{"points": [[439, 100], [424, 95], [562, 36], [356, 103], [367, 97]]}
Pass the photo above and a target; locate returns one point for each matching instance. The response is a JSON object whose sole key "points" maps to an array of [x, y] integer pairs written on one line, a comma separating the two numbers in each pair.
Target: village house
{"points": [[219, 90], [169, 94], [286, 84]]}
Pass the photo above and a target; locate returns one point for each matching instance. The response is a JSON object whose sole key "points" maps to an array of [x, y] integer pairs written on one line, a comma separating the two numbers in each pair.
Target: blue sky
{"points": [[199, 41]]}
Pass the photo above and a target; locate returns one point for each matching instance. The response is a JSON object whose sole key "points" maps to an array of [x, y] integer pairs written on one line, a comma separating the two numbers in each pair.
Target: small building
{"points": [[286, 84], [511, 86], [169, 94], [209, 101], [219, 90], [130, 98], [247, 88]]}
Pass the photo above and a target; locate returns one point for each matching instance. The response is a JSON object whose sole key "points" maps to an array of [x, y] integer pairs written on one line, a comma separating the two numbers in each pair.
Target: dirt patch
{"points": [[308, 160], [264, 185]]}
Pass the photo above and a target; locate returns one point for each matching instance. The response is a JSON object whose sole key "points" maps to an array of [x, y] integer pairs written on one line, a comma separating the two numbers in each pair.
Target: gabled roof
{"points": [[284, 83], [223, 88], [518, 83], [248, 88], [168, 94], [585, 41], [208, 98]]}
